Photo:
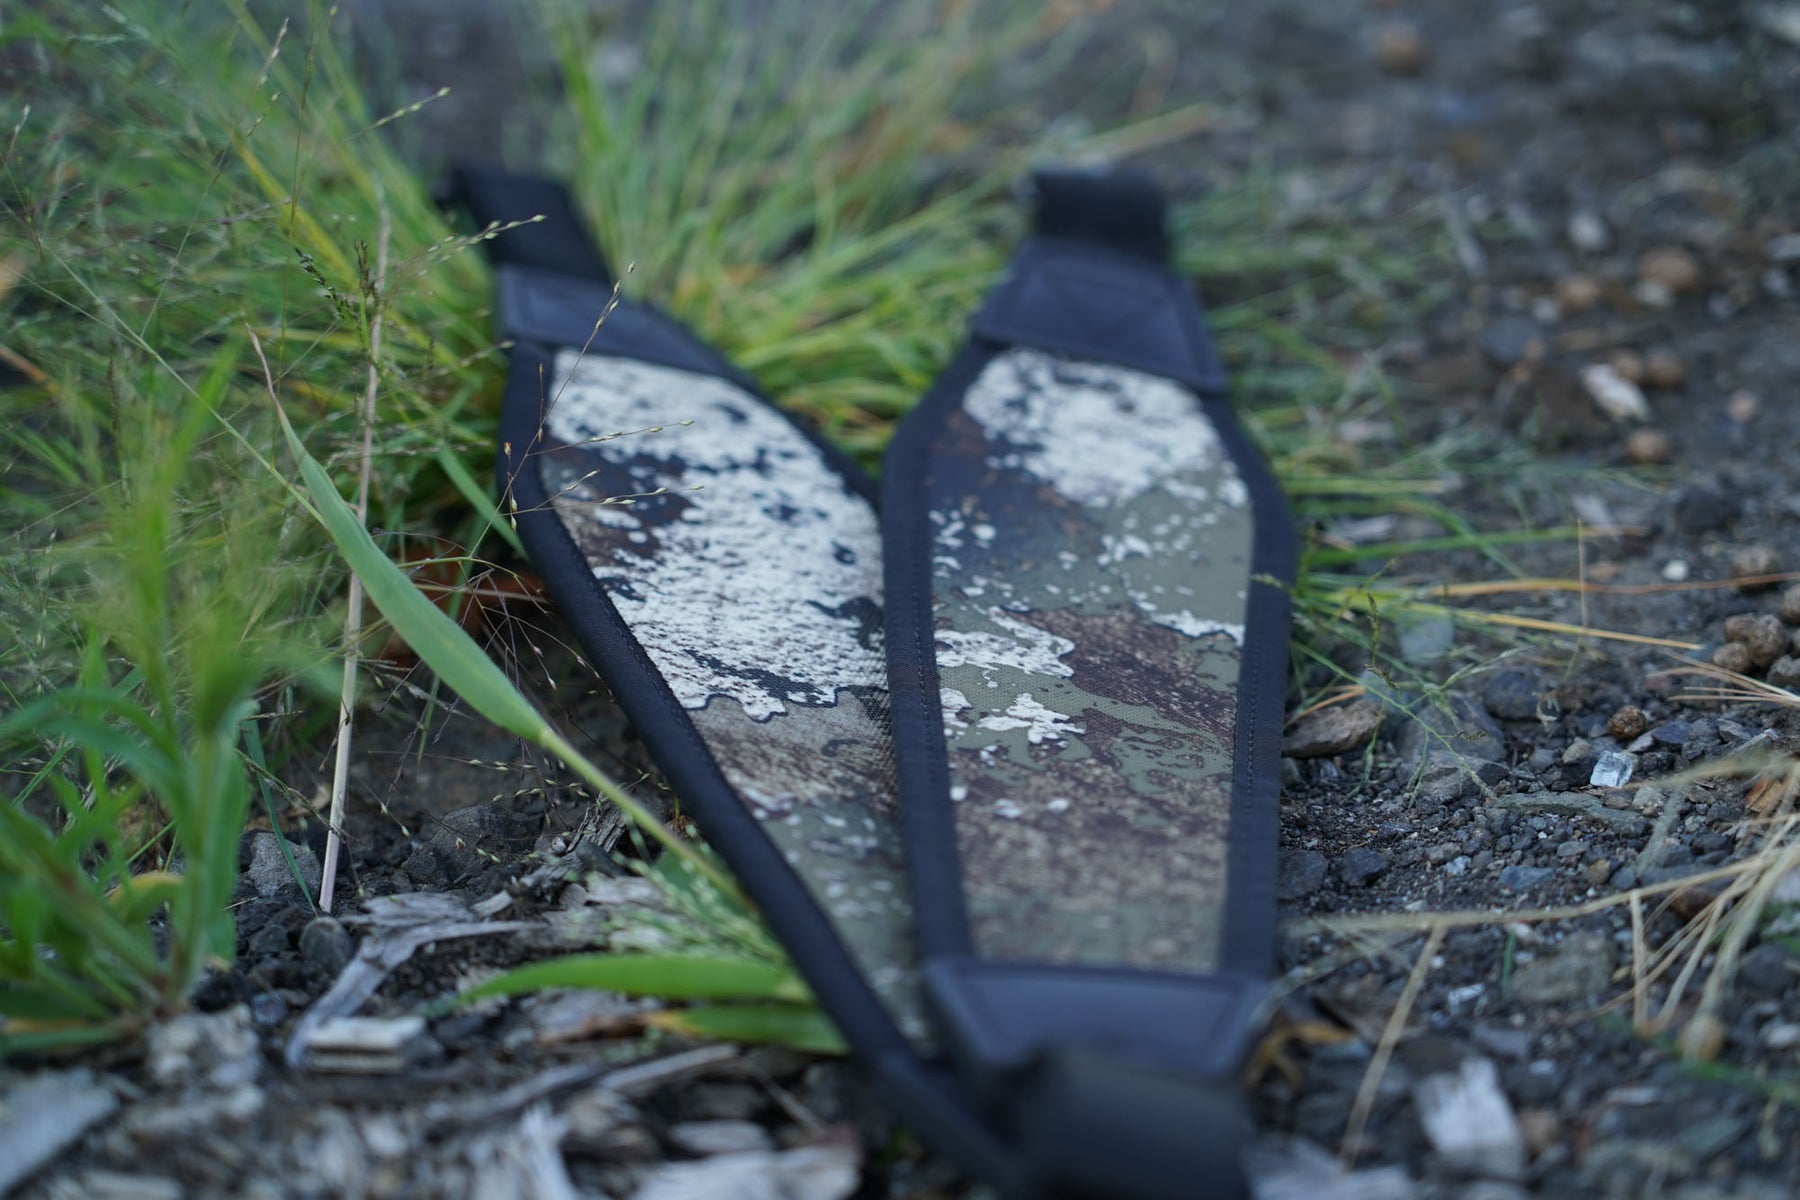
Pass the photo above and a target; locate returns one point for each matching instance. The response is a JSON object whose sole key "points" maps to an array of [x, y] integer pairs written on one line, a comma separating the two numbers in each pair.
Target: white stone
{"points": [[1616, 396], [1470, 1122]]}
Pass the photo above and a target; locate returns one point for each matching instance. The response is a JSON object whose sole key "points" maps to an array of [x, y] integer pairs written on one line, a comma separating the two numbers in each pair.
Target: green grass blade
{"points": [[674, 977], [785, 1024]]}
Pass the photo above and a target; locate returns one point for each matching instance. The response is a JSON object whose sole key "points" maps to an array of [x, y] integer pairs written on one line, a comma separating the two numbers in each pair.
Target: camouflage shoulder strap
{"points": [[733, 605], [1087, 627]]}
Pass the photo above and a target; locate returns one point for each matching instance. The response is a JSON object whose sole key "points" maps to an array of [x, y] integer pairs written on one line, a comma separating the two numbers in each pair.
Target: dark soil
{"points": [[1615, 186]]}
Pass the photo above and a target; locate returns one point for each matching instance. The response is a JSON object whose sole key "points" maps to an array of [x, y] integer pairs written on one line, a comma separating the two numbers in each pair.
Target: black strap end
{"points": [[1091, 1125], [546, 233], [1120, 209]]}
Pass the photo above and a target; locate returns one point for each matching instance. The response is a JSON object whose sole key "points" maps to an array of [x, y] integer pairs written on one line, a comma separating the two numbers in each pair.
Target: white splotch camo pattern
{"points": [[1090, 565], [751, 575]]}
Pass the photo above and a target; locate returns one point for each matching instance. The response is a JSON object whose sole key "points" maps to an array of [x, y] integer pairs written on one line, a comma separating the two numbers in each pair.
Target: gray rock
{"points": [[327, 946], [1511, 694], [1360, 865], [468, 839], [1699, 508], [1444, 778], [160, 1120], [1769, 969], [97, 1184], [1493, 1189], [1292, 1168], [268, 871], [1521, 878], [1507, 341], [1570, 804], [45, 1115], [829, 1171], [1784, 672], [1502, 1041], [1672, 733], [1462, 727], [1332, 730], [1579, 969], [1710, 1136], [1425, 638], [269, 941], [1470, 1122], [1299, 874], [707, 1138], [268, 1008], [215, 1050]]}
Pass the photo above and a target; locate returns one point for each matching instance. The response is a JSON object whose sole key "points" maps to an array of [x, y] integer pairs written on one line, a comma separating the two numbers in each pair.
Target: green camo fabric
{"points": [[1091, 554], [751, 575]]}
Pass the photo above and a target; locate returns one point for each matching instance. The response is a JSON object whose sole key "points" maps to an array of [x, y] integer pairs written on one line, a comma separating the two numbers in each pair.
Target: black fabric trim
{"points": [[933, 864], [1250, 857]]}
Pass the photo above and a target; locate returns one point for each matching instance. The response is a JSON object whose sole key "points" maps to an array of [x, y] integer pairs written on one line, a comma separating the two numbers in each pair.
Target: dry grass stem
{"points": [[1384, 1049], [340, 771]]}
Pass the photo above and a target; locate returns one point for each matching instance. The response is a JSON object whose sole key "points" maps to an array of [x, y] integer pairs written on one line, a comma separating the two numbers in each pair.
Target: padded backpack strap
{"points": [[1087, 653]]}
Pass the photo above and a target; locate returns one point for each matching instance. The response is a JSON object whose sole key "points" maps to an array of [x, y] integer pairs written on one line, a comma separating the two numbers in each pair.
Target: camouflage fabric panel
{"points": [[751, 575], [1091, 556]]}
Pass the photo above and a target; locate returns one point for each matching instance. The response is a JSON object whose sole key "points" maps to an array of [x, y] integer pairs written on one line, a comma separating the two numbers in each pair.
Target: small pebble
{"points": [[1748, 562], [1672, 733], [1616, 396], [1732, 656], [1627, 366], [1781, 1035], [1671, 267], [1790, 604], [1598, 872], [1612, 769], [1766, 640], [1360, 865], [1521, 878], [268, 1008], [1587, 232], [1333, 729], [1676, 570], [1784, 672], [1647, 447], [1698, 508], [1400, 49], [1664, 369], [326, 946], [1627, 723], [1577, 293], [1742, 406], [1511, 693]]}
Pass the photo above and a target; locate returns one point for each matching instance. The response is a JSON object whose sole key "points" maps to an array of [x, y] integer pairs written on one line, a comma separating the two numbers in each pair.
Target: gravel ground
{"points": [[1617, 183]]}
